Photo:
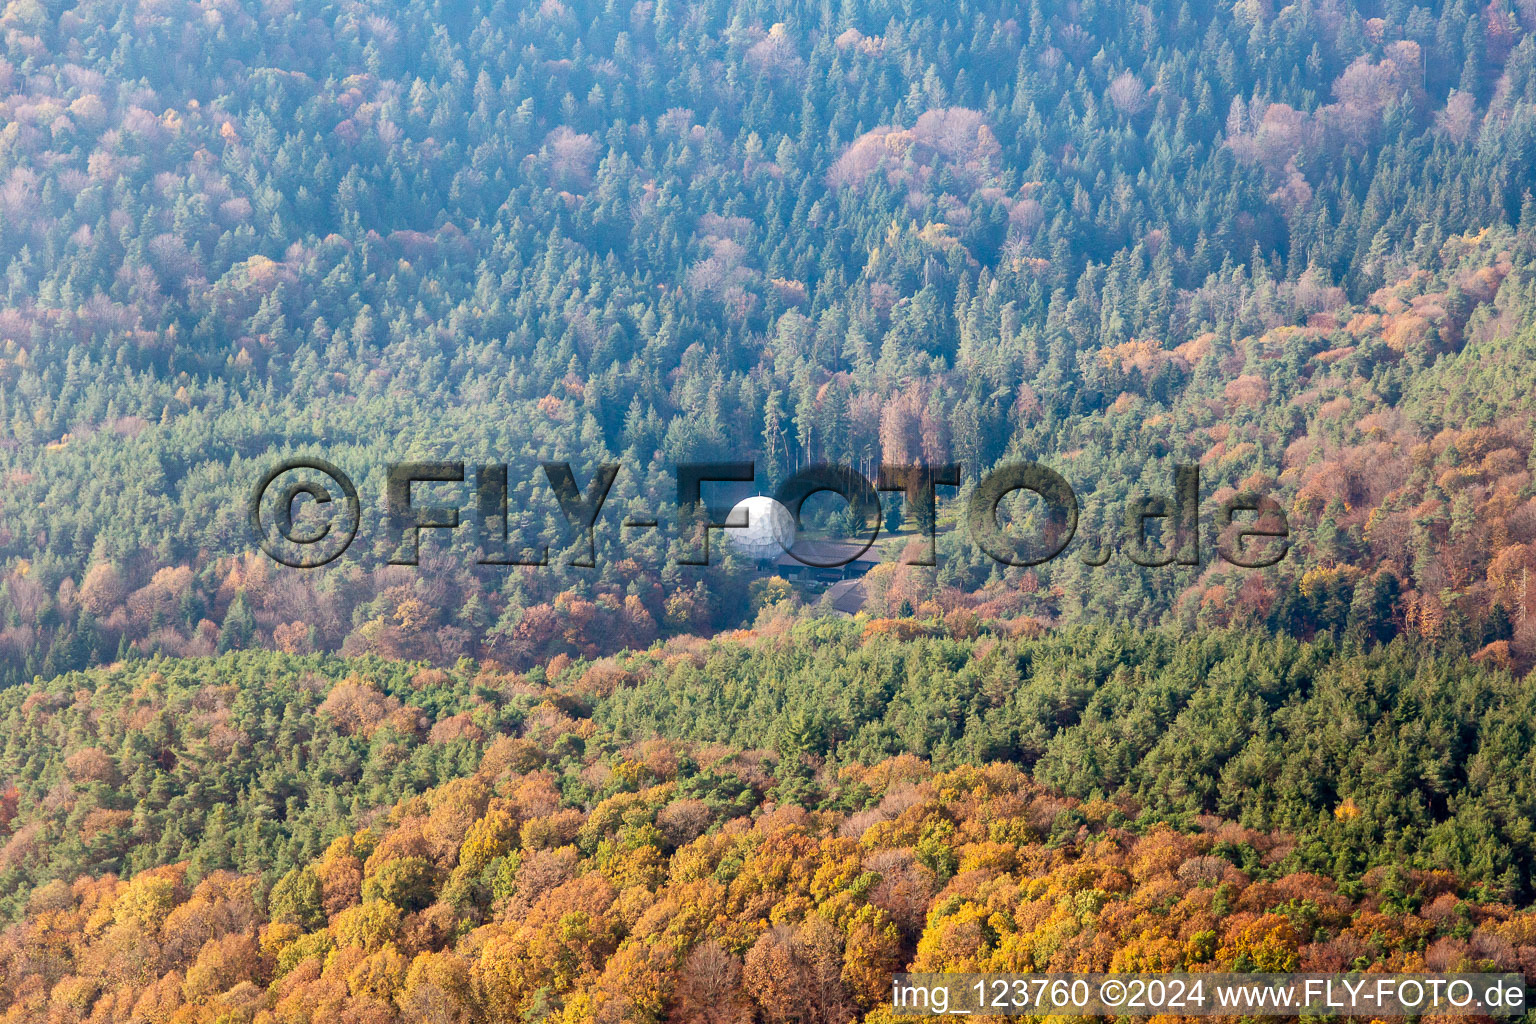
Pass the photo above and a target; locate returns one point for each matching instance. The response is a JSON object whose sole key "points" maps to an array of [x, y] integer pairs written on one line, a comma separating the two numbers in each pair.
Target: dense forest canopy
{"points": [[658, 836], [254, 761], [1291, 244]]}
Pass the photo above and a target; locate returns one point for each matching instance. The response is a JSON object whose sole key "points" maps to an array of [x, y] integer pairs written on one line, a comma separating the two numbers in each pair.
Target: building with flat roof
{"points": [[829, 561]]}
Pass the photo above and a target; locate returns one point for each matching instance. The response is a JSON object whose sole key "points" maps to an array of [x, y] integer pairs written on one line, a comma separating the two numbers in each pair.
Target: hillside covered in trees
{"points": [[670, 837], [254, 762], [1293, 244]]}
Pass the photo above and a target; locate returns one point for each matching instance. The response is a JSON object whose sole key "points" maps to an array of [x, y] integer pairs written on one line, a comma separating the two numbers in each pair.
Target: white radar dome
{"points": [[760, 528]]}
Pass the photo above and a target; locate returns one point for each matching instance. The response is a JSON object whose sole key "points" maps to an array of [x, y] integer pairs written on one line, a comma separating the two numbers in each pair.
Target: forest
{"points": [[1290, 245], [670, 836]]}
